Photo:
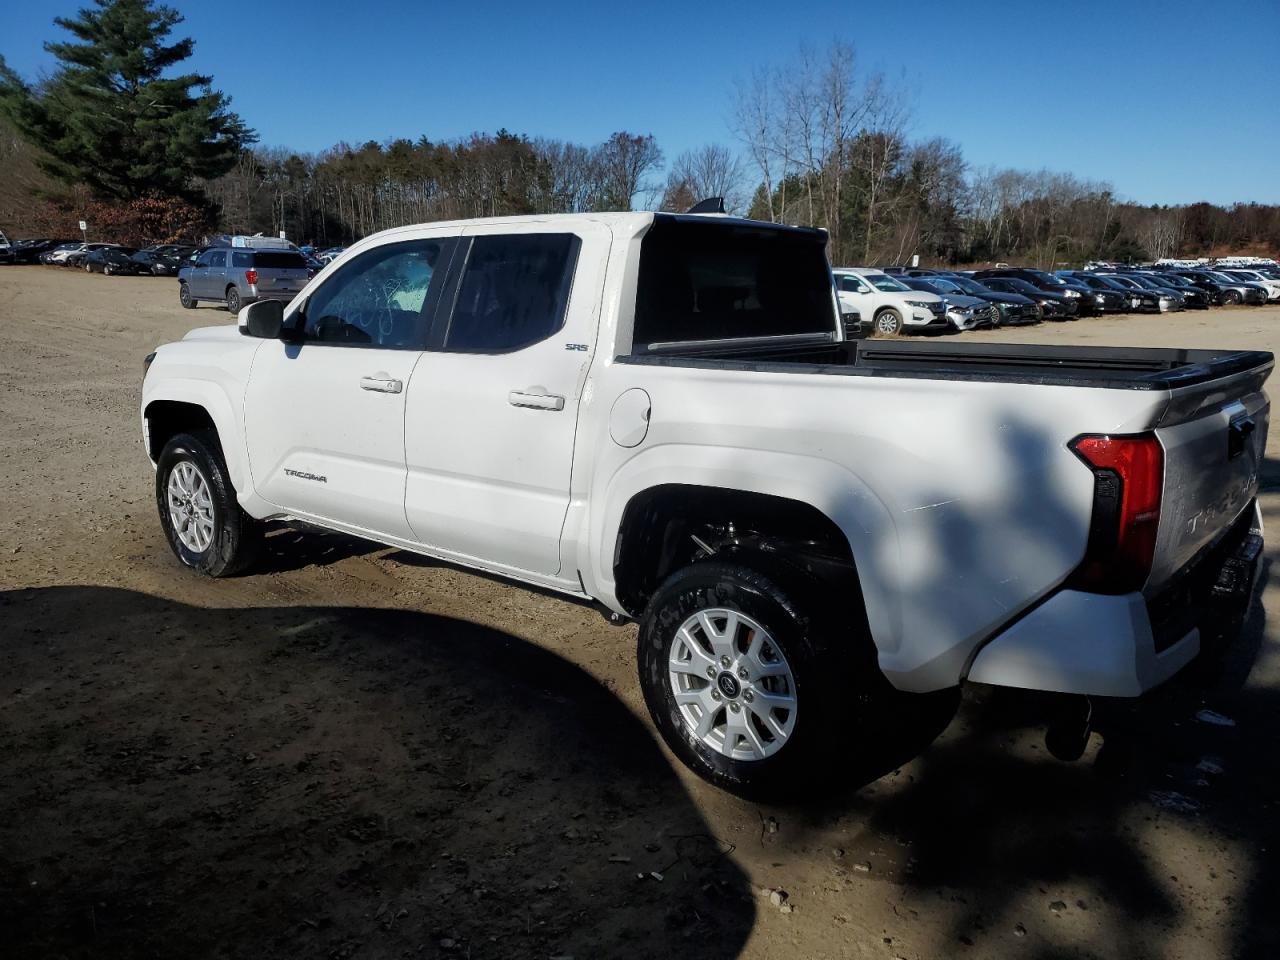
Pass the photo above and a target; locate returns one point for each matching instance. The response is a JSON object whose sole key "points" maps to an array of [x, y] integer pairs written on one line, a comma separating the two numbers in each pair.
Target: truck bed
{"points": [[1129, 368]]}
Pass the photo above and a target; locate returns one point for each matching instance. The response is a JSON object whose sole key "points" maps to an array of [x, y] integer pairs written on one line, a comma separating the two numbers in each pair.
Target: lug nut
{"points": [[724, 662], [734, 707], [711, 672], [748, 696], [742, 672], [715, 695]]}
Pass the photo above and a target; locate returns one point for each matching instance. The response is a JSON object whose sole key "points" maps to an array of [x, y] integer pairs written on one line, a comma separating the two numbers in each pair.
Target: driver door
{"points": [[325, 414]]}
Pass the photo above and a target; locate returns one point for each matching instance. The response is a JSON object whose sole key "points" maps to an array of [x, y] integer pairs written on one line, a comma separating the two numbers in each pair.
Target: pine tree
{"points": [[111, 118]]}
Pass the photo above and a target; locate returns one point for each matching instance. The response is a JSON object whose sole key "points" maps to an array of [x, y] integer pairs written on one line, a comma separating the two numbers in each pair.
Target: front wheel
{"points": [[748, 684], [888, 323], [109, 270], [205, 526], [184, 297]]}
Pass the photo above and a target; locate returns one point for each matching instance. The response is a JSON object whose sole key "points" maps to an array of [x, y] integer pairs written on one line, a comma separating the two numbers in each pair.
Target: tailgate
{"points": [[1214, 434]]}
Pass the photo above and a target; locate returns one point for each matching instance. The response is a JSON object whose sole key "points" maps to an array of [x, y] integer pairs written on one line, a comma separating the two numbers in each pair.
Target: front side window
{"points": [[382, 298], [218, 259], [513, 293], [853, 285]]}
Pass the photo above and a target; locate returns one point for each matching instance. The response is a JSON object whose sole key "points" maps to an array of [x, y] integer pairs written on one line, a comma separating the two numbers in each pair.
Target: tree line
{"points": [[117, 136]]}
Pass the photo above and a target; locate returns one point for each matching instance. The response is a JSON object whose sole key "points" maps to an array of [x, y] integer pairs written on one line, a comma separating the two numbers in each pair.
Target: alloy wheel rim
{"points": [[190, 506], [887, 323], [732, 684]]}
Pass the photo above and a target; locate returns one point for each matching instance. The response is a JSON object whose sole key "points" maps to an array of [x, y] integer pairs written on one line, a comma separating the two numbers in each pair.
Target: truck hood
{"points": [[225, 331]]}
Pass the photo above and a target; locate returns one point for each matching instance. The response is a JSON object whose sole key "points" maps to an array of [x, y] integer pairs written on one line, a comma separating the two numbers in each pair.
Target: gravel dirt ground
{"points": [[353, 752]]}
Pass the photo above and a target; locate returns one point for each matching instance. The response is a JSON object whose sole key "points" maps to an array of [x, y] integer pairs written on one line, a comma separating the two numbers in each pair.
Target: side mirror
{"points": [[263, 319]]}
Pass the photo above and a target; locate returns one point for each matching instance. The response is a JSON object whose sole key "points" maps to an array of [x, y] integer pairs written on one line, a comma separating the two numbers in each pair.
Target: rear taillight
{"points": [[1128, 482], [251, 277]]}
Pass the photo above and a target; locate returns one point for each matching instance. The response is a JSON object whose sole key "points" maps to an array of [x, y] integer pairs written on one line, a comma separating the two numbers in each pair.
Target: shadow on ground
{"points": [[330, 782], [1166, 828]]}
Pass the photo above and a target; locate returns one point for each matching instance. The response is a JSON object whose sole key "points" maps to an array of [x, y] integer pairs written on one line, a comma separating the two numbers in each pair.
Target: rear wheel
{"points": [[184, 297], [205, 526], [233, 300], [750, 684], [1231, 298], [88, 268], [888, 323], [109, 270]]}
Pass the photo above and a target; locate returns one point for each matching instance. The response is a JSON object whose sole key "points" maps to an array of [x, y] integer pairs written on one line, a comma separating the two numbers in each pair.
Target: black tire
{"points": [[236, 535], [108, 270], [836, 680], [233, 300], [185, 298], [1231, 298], [888, 323], [88, 268]]}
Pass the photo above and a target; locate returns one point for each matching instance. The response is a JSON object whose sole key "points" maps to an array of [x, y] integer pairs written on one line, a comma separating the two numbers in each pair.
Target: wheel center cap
{"points": [[729, 685]]}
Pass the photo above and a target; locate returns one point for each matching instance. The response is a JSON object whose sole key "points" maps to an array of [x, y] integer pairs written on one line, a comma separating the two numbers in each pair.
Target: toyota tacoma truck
{"points": [[661, 414]]}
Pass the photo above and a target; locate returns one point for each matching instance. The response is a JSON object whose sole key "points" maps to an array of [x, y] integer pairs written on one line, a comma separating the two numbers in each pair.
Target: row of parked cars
{"points": [[159, 260], [898, 300]]}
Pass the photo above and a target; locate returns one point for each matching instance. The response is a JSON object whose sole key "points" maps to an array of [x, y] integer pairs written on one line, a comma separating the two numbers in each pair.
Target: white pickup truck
{"points": [[660, 413]]}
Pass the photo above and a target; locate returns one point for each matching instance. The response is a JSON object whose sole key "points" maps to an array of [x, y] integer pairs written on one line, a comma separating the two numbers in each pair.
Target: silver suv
{"points": [[239, 275]]}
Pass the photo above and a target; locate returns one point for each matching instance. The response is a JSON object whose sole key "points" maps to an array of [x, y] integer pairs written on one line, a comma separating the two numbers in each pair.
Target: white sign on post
{"points": [[83, 226], [282, 235], [915, 259]]}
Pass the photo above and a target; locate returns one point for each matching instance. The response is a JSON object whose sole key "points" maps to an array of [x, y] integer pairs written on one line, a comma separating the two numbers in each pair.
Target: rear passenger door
{"points": [[493, 405]]}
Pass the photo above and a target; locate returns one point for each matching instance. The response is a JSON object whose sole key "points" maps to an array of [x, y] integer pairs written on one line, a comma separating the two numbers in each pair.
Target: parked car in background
{"points": [[237, 275], [1147, 281], [1141, 301], [331, 254], [59, 254], [887, 304], [1043, 280], [1192, 296], [1053, 306], [1218, 291], [1165, 300], [1235, 291], [1014, 307], [964, 312], [31, 251], [1253, 276], [112, 261], [76, 258], [162, 260], [1106, 297]]}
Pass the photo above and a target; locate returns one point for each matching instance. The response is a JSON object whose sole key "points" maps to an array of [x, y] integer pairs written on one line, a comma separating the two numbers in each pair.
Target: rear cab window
{"points": [[708, 280]]}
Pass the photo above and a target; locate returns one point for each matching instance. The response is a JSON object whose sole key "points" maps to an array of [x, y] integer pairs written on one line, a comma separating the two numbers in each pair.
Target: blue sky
{"points": [[1171, 102]]}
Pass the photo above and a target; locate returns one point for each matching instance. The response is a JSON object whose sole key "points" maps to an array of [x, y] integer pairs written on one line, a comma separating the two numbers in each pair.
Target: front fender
{"points": [[213, 399], [839, 494]]}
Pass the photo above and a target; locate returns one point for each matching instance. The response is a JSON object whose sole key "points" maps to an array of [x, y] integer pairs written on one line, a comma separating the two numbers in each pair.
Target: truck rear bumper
{"points": [[1083, 643], [1122, 646]]}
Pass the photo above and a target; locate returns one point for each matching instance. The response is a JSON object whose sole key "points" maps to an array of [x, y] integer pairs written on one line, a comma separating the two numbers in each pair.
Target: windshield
{"points": [[944, 286], [968, 286], [1021, 286], [882, 281], [1222, 277]]}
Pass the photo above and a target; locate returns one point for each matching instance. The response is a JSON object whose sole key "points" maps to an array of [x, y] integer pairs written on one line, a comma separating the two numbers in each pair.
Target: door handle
{"points": [[535, 401], [381, 384]]}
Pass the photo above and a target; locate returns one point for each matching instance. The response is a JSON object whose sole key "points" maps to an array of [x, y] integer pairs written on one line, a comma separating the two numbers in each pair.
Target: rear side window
{"points": [[513, 293], [278, 259], [712, 281], [242, 259]]}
